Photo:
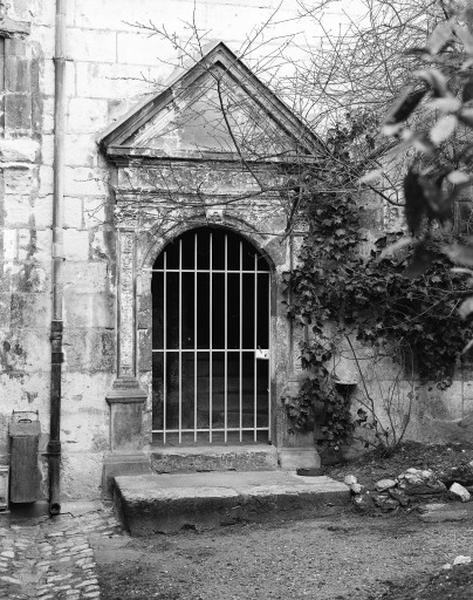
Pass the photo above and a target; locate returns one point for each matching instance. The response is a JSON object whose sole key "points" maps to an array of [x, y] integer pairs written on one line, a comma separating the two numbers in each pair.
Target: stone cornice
{"points": [[10, 28]]}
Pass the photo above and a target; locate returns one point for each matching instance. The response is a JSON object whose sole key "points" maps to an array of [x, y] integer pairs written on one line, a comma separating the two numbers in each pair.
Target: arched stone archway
{"points": [[211, 340]]}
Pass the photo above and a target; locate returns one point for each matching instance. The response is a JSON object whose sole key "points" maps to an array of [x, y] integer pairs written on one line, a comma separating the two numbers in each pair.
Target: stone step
{"points": [[188, 459], [152, 503]]}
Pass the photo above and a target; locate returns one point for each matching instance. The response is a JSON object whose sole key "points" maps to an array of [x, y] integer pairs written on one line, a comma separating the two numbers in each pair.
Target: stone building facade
{"points": [[173, 185], [134, 183]]}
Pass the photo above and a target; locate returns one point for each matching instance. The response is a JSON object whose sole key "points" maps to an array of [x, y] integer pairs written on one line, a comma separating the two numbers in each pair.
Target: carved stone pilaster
{"points": [[126, 299], [126, 398]]}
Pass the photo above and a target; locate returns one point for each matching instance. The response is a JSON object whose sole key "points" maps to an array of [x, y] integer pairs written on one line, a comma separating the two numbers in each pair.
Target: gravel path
{"points": [[342, 557]]}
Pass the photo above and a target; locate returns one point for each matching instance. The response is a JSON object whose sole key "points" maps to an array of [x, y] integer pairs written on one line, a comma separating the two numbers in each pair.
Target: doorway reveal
{"points": [[211, 293]]}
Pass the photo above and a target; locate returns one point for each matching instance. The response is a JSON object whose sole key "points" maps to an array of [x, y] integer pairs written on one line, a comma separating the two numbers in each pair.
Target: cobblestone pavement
{"points": [[51, 559]]}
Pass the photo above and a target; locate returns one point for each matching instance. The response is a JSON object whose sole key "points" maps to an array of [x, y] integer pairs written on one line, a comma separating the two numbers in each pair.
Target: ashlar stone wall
{"points": [[110, 65]]}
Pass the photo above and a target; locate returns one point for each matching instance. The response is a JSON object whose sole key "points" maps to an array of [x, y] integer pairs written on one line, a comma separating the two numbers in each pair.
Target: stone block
{"points": [[18, 150], [292, 459], [29, 310], [48, 115], [168, 502], [458, 492], [18, 112], [106, 80], [94, 211], [73, 213], [87, 115], [141, 49], [98, 244], [88, 45], [81, 181], [89, 310], [18, 210], [42, 252], [17, 74], [47, 150], [440, 513], [27, 244], [25, 350], [76, 245], [86, 276], [119, 14], [19, 181], [80, 150], [81, 473], [90, 350], [10, 245], [46, 180], [184, 459], [44, 36], [16, 46], [115, 465], [32, 276], [126, 419], [42, 212]]}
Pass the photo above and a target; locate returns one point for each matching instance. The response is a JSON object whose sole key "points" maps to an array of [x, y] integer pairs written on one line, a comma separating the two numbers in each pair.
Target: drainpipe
{"points": [[57, 357]]}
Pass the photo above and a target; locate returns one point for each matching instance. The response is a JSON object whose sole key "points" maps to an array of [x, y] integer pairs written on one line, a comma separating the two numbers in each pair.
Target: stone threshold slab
{"points": [[164, 503], [181, 459]]}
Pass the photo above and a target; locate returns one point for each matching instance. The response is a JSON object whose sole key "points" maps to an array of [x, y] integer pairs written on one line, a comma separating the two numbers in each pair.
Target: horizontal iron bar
{"points": [[208, 429], [222, 271], [176, 350]]}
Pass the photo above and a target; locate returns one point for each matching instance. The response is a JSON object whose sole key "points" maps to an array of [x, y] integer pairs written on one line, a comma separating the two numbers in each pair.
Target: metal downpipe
{"points": [[57, 255]]}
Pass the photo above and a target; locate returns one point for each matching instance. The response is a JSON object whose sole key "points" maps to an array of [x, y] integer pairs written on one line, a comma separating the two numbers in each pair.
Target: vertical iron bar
{"points": [[165, 342], [210, 335], [225, 343], [240, 322], [195, 338], [255, 367], [270, 356], [180, 340]]}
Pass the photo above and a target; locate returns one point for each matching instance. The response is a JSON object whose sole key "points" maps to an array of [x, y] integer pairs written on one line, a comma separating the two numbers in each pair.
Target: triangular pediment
{"points": [[217, 109]]}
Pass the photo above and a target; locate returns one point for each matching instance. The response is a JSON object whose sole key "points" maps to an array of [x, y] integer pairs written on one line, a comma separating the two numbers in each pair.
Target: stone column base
{"points": [[126, 400]]}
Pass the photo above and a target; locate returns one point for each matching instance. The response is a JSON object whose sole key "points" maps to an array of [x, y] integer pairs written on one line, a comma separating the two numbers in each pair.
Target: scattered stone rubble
{"points": [[414, 487]]}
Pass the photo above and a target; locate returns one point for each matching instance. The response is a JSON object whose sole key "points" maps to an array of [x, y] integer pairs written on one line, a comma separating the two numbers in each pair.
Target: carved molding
{"points": [[9, 27]]}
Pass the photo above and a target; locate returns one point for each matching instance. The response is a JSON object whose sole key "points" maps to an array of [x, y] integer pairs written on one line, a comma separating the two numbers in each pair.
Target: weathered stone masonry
{"points": [[110, 64], [123, 203]]}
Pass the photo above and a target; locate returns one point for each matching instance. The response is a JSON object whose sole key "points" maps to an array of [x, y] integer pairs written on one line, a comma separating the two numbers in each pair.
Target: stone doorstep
{"points": [[166, 503], [187, 459]]}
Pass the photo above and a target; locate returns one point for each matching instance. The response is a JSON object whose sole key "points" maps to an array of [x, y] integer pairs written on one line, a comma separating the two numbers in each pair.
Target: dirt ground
{"points": [[337, 558], [368, 557]]}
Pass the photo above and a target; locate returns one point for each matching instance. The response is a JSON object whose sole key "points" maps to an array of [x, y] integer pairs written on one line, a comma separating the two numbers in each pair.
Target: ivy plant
{"points": [[379, 300]]}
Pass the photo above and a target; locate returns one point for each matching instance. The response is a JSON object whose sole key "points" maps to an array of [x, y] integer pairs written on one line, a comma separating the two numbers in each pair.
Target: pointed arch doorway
{"points": [[211, 294]]}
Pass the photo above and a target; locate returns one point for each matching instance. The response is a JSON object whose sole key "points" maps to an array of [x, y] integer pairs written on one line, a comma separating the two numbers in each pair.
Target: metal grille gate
{"points": [[211, 332]]}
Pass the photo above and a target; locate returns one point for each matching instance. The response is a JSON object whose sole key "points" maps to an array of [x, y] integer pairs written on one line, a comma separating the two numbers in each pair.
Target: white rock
{"points": [[356, 488], [461, 560], [350, 479], [446, 566], [385, 484], [460, 492]]}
